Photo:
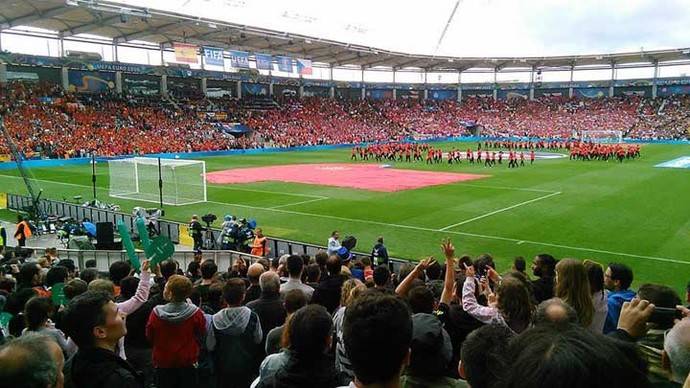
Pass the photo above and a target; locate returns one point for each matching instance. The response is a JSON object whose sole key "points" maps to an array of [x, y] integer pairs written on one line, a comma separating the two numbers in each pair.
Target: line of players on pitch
{"points": [[593, 151], [413, 152]]}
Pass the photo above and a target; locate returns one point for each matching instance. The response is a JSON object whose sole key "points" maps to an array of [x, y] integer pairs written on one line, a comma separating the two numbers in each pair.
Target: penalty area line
{"points": [[499, 211]]}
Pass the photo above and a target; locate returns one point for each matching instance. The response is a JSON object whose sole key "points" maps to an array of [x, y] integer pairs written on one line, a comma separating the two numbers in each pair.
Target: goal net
{"points": [[137, 178], [602, 136]]}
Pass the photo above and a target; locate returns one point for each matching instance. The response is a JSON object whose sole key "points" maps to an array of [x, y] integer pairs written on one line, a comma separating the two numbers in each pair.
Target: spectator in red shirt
{"points": [[175, 331]]}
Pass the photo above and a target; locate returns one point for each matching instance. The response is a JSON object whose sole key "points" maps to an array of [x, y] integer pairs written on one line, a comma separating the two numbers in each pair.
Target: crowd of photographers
{"points": [[335, 320], [235, 234]]}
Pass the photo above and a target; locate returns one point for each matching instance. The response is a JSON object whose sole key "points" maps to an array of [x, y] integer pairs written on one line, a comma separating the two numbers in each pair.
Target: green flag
{"points": [[129, 245], [160, 249]]}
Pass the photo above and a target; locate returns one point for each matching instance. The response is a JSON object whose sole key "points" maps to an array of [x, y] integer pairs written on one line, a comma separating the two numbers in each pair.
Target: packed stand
{"points": [[338, 321], [45, 122]]}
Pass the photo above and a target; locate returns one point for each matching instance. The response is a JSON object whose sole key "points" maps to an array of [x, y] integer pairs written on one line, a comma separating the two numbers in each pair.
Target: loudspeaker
{"points": [[105, 233]]}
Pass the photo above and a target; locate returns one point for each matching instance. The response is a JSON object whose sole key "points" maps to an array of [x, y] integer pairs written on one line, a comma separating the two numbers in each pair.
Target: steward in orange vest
{"points": [[259, 246], [23, 232]]}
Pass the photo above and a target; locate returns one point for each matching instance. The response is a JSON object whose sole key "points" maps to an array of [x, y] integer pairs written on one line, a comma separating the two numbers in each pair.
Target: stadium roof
{"points": [[125, 23]]}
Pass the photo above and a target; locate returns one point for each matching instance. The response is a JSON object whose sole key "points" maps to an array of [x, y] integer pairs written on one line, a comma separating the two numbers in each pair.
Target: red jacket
{"points": [[175, 331]]}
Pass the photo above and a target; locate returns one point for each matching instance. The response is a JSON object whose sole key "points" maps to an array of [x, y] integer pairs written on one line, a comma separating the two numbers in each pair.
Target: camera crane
{"points": [[35, 211]]}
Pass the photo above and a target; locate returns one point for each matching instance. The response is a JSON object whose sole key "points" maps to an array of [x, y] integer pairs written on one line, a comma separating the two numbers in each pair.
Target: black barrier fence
{"points": [[170, 229]]}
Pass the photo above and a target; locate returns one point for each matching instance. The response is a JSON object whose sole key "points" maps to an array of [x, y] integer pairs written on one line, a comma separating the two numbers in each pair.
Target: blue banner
{"points": [[668, 90], [213, 56], [285, 64], [254, 89], [239, 59], [264, 62]]}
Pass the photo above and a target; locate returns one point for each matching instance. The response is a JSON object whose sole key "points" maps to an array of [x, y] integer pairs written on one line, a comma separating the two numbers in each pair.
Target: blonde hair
{"points": [[572, 286], [346, 291]]}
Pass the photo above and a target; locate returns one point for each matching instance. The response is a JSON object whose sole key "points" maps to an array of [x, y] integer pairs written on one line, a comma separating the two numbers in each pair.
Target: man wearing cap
{"points": [[431, 354], [345, 258]]}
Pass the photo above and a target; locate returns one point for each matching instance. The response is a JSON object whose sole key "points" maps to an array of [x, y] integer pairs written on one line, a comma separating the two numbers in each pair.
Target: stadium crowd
{"points": [[339, 321], [46, 122]]}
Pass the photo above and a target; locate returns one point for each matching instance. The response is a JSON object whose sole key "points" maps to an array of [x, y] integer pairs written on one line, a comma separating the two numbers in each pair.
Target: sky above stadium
{"points": [[479, 27]]}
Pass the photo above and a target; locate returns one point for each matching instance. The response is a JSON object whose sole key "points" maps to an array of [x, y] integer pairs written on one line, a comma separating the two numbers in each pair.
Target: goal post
{"points": [[602, 136], [184, 181]]}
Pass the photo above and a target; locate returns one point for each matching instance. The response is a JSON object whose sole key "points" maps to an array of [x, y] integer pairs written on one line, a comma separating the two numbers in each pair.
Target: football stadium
{"points": [[241, 193]]}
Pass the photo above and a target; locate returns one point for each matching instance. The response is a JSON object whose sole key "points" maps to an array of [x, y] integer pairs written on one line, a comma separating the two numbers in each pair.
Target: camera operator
{"points": [[227, 228], [195, 232], [243, 235]]}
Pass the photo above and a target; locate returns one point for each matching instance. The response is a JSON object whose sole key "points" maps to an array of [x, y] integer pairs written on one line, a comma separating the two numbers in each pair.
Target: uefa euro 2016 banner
{"points": [[185, 53], [213, 56]]}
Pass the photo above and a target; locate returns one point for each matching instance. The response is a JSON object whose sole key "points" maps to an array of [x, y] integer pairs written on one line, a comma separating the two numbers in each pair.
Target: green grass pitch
{"points": [[631, 212]]}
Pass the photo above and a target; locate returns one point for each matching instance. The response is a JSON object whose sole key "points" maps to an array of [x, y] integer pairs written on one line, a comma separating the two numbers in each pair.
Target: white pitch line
{"points": [[297, 203], [502, 187], [210, 185], [484, 236], [268, 192], [499, 211], [476, 235]]}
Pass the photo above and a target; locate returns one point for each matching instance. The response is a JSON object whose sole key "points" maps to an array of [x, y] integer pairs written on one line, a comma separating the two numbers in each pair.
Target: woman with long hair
{"points": [[572, 286], [595, 273], [510, 306]]}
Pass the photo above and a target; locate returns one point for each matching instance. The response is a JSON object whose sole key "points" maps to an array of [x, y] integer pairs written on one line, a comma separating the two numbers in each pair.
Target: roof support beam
{"points": [[376, 62], [408, 63], [149, 32], [27, 19], [87, 27], [327, 55], [343, 61]]}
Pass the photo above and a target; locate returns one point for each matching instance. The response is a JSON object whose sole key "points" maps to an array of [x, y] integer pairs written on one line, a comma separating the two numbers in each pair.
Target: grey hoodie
{"points": [[233, 321], [175, 312]]}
